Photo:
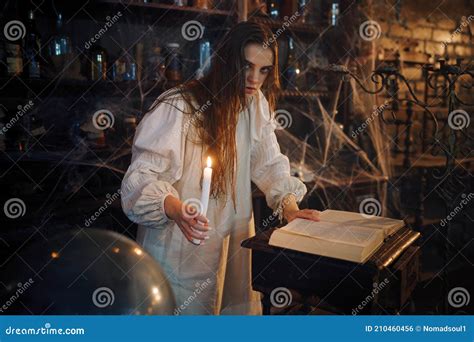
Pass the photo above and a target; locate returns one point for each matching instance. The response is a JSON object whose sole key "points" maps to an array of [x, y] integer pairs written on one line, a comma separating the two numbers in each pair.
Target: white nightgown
{"points": [[214, 278]]}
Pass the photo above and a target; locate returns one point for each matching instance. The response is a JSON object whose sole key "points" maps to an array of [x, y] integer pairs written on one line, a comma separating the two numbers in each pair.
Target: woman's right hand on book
{"points": [[192, 224]]}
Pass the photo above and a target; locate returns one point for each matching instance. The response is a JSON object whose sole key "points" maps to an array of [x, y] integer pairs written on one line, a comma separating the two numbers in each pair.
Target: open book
{"points": [[340, 234]]}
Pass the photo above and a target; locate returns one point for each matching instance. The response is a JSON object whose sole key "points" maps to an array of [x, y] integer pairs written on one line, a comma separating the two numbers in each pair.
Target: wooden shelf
{"points": [[306, 94], [294, 27], [166, 7]]}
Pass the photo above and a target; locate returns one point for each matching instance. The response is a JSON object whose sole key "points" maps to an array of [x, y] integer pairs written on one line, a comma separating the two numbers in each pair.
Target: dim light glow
{"points": [[138, 251], [209, 162], [156, 293]]}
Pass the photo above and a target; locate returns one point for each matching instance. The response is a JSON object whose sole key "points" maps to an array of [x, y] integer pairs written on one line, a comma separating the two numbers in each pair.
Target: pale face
{"points": [[259, 64]]}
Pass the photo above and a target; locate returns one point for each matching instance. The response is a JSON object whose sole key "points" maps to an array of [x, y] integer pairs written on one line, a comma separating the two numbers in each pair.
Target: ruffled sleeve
{"points": [[157, 163], [270, 169]]}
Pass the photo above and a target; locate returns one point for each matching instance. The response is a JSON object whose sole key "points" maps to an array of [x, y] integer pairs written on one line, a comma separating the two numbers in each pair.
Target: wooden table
{"points": [[336, 286]]}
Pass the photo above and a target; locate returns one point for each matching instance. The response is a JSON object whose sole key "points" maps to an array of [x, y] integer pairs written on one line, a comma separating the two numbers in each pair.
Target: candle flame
{"points": [[209, 162]]}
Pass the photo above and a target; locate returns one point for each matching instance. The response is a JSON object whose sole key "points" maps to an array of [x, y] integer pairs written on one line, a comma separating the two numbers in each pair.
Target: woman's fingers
{"points": [[194, 233], [309, 214], [203, 219], [197, 224]]}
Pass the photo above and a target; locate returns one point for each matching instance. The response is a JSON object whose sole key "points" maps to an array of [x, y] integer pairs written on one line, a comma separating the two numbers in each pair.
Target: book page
{"points": [[333, 231], [388, 225]]}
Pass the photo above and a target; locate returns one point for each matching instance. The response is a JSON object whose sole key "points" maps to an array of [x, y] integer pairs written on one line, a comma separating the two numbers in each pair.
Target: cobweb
{"points": [[336, 161]]}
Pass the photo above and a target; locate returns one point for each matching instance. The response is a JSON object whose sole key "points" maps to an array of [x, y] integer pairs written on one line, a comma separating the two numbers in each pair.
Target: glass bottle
{"points": [[60, 43], [274, 9], [36, 126], [334, 14], [155, 64], [305, 11], [204, 58], [3, 58], [98, 63], [32, 48], [124, 68], [12, 42], [204, 4], [13, 58], [292, 69], [174, 67]]}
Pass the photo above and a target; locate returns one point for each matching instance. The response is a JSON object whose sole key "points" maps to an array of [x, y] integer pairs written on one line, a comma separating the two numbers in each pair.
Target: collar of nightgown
{"points": [[260, 116]]}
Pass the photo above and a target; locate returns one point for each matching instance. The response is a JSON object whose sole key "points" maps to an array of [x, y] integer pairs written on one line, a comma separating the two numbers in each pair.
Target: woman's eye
{"points": [[247, 66], [265, 70]]}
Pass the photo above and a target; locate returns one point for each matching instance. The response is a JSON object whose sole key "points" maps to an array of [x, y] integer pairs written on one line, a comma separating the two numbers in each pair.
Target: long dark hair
{"points": [[220, 97]]}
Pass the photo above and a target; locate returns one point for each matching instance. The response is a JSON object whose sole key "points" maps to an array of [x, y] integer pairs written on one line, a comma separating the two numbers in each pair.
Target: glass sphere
{"points": [[86, 272]]}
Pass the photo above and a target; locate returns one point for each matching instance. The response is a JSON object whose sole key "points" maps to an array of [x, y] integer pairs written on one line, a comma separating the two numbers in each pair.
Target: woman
{"points": [[226, 116]]}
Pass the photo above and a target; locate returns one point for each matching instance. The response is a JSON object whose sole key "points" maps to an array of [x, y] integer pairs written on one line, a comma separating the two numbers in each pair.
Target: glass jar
{"points": [[174, 66]]}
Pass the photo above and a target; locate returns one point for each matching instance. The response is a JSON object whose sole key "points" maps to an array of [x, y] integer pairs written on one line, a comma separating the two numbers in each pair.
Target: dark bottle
{"points": [[3, 129], [12, 34], [60, 43], [292, 69], [3, 58], [13, 59], [98, 63], [36, 126], [274, 9], [334, 14], [13, 56], [156, 64], [124, 68], [174, 67], [304, 9], [32, 48], [204, 58]]}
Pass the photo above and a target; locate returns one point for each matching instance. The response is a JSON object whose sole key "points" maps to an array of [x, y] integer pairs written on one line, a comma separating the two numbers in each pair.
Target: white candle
{"points": [[206, 186], [206, 189]]}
